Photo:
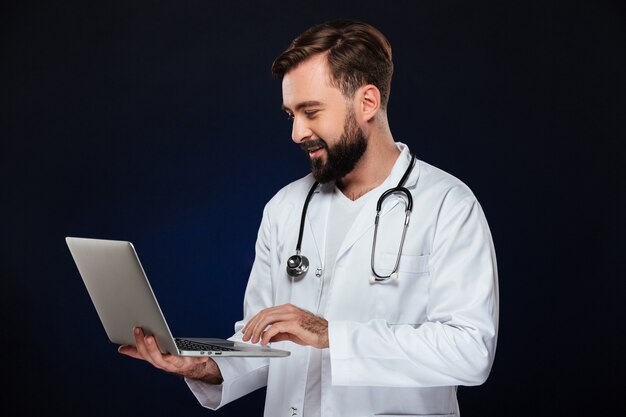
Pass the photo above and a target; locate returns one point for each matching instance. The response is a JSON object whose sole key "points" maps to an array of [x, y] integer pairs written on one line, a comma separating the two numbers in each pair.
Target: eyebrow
{"points": [[302, 105]]}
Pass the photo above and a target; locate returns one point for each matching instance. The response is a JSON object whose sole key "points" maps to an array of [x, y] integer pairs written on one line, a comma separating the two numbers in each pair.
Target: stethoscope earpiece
{"points": [[392, 277]]}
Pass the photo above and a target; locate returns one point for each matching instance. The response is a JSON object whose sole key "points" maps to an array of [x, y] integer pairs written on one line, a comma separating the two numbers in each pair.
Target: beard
{"points": [[342, 157]]}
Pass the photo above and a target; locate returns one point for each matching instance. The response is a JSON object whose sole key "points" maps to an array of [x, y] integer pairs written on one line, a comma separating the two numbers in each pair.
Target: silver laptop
{"points": [[123, 298]]}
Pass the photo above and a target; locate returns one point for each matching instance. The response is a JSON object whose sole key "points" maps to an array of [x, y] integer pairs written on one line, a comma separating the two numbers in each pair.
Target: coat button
{"points": [[293, 411], [318, 272]]}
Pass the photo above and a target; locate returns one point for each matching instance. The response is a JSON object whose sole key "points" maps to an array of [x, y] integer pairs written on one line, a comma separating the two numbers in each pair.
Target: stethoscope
{"points": [[298, 265]]}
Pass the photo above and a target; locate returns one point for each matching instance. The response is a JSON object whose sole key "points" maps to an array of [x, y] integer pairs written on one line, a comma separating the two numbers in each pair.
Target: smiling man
{"points": [[326, 119], [377, 271]]}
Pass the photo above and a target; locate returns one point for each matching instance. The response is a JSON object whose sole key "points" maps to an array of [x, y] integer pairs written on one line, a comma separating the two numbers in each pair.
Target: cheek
{"points": [[328, 122], [330, 129]]}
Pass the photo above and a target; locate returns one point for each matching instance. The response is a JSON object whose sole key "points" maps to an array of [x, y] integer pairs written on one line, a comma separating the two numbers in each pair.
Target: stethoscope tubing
{"points": [[376, 277], [298, 264], [303, 217]]}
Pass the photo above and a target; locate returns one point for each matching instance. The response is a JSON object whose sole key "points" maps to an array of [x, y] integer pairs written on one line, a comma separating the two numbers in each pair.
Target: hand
{"points": [[287, 322], [201, 368]]}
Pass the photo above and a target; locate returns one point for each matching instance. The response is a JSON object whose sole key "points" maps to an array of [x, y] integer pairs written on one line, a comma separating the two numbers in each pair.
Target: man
{"points": [[390, 318]]}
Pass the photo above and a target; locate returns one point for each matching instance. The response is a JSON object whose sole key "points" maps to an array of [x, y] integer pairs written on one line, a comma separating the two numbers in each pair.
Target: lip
{"points": [[316, 153]]}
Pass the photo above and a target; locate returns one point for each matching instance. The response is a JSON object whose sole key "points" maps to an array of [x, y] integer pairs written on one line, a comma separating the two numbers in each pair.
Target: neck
{"points": [[372, 169]]}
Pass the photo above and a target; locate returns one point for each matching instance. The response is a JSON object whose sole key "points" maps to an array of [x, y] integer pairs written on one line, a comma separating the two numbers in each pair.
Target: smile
{"points": [[315, 152]]}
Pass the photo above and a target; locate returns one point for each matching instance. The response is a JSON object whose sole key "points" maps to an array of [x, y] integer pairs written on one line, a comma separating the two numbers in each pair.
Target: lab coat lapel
{"points": [[365, 219], [317, 217]]}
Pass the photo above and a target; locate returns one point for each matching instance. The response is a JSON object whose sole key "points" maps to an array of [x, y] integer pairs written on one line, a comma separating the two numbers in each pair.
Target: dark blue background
{"points": [[159, 122]]}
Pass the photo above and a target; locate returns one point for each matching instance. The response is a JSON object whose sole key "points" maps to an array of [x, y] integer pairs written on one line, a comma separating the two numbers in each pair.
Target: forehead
{"points": [[309, 81]]}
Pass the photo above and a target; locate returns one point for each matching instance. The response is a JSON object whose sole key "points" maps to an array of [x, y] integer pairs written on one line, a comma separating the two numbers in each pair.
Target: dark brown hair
{"points": [[358, 54]]}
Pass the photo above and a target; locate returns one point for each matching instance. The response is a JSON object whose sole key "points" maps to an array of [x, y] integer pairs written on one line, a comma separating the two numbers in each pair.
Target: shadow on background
{"points": [[159, 122]]}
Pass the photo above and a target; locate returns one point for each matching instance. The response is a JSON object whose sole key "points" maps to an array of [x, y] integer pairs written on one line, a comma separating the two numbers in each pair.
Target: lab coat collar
{"points": [[365, 219], [398, 170], [319, 211]]}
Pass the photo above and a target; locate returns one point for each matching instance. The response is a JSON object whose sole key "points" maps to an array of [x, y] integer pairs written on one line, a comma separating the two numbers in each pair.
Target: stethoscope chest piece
{"points": [[297, 265]]}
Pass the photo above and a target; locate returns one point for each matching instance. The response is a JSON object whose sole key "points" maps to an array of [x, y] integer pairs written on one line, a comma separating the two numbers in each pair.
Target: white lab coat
{"points": [[398, 348]]}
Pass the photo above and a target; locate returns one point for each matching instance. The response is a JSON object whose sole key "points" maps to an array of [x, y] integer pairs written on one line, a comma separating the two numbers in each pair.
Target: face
{"points": [[324, 123]]}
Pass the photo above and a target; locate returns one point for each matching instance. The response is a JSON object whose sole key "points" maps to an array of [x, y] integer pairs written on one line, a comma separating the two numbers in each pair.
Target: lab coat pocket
{"points": [[403, 301], [414, 264], [409, 264]]}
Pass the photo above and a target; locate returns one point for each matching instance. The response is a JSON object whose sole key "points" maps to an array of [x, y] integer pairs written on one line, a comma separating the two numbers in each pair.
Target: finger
{"points": [[271, 320], [140, 344], [129, 351], [182, 363], [256, 326], [285, 331], [275, 329], [169, 362], [256, 329], [148, 349], [251, 324], [255, 321], [248, 329], [158, 358]]}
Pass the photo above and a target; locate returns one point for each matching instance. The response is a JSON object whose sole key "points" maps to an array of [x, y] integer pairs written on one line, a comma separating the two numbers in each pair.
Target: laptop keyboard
{"points": [[184, 344]]}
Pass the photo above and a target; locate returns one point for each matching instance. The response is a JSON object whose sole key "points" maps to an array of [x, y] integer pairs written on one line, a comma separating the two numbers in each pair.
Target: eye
{"points": [[310, 113], [289, 116]]}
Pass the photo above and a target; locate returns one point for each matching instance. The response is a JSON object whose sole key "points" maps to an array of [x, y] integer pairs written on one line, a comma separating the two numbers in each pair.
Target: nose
{"points": [[300, 130]]}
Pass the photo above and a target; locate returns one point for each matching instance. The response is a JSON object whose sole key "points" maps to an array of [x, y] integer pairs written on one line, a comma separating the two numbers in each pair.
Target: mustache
{"points": [[307, 145]]}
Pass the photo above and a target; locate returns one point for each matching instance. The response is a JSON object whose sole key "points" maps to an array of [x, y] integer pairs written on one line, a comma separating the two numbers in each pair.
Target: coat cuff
{"points": [[211, 395], [239, 380]]}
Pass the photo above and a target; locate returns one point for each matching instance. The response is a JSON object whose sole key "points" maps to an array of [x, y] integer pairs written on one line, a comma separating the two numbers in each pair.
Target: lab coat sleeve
{"points": [[456, 344], [243, 375]]}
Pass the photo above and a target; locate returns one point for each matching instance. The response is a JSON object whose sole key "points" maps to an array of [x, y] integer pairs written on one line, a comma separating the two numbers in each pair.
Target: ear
{"points": [[369, 101]]}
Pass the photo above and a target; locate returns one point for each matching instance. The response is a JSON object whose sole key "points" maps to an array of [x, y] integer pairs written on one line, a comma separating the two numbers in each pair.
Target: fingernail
{"points": [[136, 330], [149, 340]]}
